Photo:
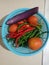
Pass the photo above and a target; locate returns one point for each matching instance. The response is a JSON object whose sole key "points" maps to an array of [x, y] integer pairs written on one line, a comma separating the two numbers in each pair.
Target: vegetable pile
{"points": [[25, 32]]}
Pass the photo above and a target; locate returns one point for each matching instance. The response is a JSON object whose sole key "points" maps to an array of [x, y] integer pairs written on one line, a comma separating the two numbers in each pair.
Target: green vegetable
{"points": [[39, 28], [33, 33], [37, 35], [41, 33], [24, 38]]}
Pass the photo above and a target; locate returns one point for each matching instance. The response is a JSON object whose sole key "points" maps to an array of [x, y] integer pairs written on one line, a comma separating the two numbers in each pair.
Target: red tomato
{"points": [[33, 20], [35, 43], [13, 28]]}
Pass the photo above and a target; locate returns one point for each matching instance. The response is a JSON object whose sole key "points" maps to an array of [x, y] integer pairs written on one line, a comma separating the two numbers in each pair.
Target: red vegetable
{"points": [[29, 29], [33, 20], [17, 40], [24, 27], [35, 43], [13, 28], [12, 35], [23, 15]]}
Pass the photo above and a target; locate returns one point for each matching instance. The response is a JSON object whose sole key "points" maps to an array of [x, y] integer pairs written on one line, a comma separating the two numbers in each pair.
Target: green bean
{"points": [[37, 35], [39, 28], [22, 43], [33, 33], [27, 34], [41, 33], [44, 32], [24, 38]]}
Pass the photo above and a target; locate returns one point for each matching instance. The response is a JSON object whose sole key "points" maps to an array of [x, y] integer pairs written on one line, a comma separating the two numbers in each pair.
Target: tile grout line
{"points": [[44, 15]]}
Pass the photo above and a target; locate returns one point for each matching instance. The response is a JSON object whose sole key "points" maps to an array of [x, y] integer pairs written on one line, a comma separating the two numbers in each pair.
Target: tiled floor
{"points": [[7, 57]]}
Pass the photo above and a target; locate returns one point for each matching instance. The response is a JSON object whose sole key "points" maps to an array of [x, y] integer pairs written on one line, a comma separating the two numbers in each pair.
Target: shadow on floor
{"points": [[1, 42]]}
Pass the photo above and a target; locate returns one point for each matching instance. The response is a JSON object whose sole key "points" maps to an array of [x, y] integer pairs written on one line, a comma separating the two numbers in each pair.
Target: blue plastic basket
{"points": [[21, 50]]}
